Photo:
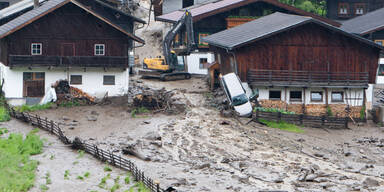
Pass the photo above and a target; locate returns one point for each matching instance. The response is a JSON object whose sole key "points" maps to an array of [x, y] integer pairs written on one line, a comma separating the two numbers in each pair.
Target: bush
{"points": [[329, 111], [273, 110], [4, 114], [30, 108], [362, 113]]}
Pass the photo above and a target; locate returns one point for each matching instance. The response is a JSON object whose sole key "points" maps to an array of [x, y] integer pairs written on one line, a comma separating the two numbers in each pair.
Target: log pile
{"points": [[66, 93], [273, 104], [157, 100], [316, 109]]}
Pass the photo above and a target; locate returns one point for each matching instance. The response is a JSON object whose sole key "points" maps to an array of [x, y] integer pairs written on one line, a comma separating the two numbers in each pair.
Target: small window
{"points": [[380, 42], [295, 96], [27, 76], [187, 3], [316, 96], [359, 8], [275, 95], [343, 8], [381, 70], [76, 79], [39, 75], [36, 48], [99, 49], [337, 97], [109, 80], [203, 61], [201, 35]]}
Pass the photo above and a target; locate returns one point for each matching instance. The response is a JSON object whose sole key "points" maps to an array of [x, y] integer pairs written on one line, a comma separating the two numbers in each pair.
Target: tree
{"points": [[318, 7]]}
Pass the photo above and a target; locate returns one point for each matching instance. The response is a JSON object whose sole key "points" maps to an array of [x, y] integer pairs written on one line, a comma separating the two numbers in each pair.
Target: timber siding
{"points": [[70, 31], [309, 48]]}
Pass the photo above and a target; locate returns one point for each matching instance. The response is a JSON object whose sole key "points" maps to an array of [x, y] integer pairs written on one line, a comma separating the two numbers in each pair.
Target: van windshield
{"points": [[239, 100]]}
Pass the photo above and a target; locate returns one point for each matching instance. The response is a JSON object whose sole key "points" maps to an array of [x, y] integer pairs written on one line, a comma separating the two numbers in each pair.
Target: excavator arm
{"points": [[185, 20]]}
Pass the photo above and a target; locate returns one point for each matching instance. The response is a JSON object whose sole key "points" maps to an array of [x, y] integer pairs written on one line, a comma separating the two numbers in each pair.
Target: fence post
{"points": [[322, 120], [157, 183], [257, 115], [52, 126], [346, 122], [279, 116], [301, 119]]}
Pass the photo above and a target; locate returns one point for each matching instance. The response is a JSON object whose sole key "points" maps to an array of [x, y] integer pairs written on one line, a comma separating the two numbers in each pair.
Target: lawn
{"points": [[30, 108], [17, 170], [4, 114], [282, 126]]}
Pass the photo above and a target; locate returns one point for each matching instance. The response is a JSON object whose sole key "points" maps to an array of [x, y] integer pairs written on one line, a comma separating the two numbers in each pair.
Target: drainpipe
{"points": [[234, 57], [35, 4]]}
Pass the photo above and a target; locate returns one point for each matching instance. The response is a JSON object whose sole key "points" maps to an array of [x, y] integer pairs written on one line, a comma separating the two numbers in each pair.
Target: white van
{"points": [[380, 73], [236, 94]]}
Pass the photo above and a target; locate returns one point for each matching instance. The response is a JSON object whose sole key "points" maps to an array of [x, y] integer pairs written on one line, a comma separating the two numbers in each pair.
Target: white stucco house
{"points": [[92, 51]]}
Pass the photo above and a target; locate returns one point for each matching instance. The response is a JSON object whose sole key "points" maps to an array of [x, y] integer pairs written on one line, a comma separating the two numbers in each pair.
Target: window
{"points": [[187, 3], [295, 96], [99, 49], [380, 42], [381, 70], [359, 8], [76, 79], [343, 8], [39, 75], [109, 80], [203, 61], [316, 96], [337, 96], [201, 35], [275, 95], [36, 48]]}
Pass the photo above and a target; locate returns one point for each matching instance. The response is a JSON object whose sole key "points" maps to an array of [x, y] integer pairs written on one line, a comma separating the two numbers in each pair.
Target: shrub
{"points": [[282, 126], [273, 110]]}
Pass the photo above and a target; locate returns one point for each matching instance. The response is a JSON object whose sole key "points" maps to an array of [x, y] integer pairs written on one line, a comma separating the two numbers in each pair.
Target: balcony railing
{"points": [[67, 61], [307, 78]]}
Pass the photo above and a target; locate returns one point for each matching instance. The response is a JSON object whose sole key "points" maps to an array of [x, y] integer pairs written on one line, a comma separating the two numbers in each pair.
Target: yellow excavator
{"points": [[169, 67]]}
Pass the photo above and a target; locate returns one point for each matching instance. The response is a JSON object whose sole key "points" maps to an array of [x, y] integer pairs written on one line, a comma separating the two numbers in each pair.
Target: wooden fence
{"points": [[77, 143], [306, 120]]}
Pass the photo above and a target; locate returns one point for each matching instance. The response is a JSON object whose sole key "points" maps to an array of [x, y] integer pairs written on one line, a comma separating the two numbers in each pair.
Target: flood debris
{"points": [[158, 100], [66, 93]]}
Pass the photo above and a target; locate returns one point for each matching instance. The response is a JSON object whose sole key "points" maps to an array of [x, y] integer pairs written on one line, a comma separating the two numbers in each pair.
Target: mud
{"points": [[56, 158], [202, 151]]}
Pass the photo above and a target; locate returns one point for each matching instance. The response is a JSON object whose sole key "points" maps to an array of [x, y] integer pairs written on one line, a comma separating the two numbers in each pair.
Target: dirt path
{"points": [[202, 151]]}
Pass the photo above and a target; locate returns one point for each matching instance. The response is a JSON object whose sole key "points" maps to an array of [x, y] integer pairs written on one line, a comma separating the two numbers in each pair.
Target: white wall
{"points": [[193, 62], [380, 79], [356, 95], [92, 80]]}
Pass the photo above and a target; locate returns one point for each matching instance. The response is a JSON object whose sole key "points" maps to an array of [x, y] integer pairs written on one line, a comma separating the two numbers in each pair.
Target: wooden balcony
{"points": [[68, 61], [283, 78]]}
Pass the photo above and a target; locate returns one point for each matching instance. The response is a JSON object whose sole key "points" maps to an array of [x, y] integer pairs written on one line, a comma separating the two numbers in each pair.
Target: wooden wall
{"points": [[333, 7], [306, 48], [68, 24]]}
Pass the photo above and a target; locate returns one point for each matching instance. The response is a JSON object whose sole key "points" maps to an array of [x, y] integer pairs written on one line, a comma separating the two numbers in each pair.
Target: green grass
{"points": [[80, 154], [30, 108], [69, 104], [87, 174], [282, 126], [80, 177], [140, 187], [3, 131], [138, 111], [107, 169], [66, 174], [17, 170]]}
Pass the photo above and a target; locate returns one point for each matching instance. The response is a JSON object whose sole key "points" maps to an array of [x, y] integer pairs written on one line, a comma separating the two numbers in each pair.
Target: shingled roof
{"points": [[368, 23], [204, 10], [50, 6], [267, 26]]}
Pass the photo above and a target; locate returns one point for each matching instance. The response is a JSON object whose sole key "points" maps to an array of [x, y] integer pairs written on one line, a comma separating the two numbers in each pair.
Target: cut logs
{"points": [[66, 93]]}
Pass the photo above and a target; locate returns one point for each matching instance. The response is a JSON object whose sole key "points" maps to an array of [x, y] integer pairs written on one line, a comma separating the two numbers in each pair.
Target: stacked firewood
{"points": [[66, 93]]}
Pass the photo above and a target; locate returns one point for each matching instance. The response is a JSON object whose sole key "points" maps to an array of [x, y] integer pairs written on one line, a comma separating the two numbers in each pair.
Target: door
{"points": [[33, 84], [68, 49]]}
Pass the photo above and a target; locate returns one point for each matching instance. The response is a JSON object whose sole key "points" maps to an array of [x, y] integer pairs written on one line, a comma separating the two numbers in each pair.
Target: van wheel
{"points": [[145, 66], [187, 76]]}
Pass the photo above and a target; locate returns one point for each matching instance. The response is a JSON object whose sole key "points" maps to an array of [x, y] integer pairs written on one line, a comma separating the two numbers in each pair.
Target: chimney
{"points": [[35, 4]]}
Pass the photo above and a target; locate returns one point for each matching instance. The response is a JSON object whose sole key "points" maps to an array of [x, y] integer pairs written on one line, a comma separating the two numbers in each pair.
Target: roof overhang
{"points": [[135, 38], [330, 27]]}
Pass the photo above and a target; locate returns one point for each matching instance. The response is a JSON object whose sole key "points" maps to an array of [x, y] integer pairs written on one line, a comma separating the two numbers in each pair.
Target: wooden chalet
{"points": [[213, 17], [298, 60], [347, 9], [86, 42]]}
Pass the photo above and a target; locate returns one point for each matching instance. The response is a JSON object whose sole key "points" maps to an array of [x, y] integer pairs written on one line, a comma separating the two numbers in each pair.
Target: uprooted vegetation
{"points": [[17, 170]]}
